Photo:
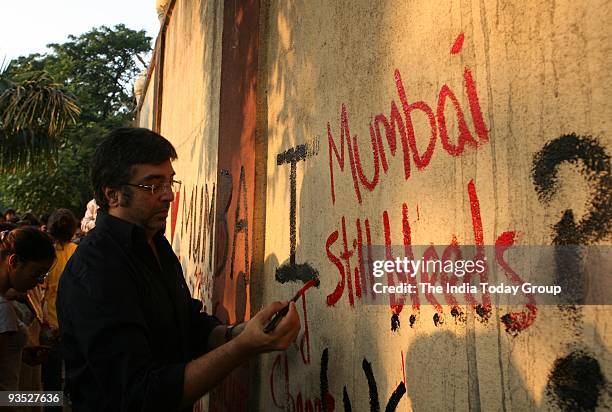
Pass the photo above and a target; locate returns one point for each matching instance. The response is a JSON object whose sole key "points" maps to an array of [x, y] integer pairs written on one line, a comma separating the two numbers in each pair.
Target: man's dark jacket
{"points": [[128, 324]]}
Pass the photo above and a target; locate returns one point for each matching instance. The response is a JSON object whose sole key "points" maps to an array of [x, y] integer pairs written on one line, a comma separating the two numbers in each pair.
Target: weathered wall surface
{"points": [[336, 125], [479, 88], [237, 155], [190, 119], [146, 111], [189, 101]]}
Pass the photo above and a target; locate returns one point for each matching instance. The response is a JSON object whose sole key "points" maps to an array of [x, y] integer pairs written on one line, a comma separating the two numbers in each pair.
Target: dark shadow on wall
{"points": [[575, 381], [437, 377]]}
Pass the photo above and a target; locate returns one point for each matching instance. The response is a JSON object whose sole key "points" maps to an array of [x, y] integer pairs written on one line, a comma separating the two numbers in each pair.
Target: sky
{"points": [[29, 25]]}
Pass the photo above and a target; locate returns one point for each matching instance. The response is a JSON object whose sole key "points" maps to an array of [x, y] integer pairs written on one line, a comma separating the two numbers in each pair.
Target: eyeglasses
{"points": [[165, 187], [42, 277]]}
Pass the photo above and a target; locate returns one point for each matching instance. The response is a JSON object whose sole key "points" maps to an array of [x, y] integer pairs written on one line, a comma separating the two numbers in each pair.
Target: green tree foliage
{"points": [[97, 68], [33, 113]]}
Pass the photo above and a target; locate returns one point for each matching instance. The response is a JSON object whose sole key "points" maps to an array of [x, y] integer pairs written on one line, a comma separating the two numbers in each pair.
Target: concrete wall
{"points": [[190, 118], [189, 103], [484, 90], [146, 111]]}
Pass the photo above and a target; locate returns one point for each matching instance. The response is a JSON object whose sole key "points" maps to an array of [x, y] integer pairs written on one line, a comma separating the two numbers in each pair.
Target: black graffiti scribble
{"points": [[575, 382], [587, 153], [326, 397], [395, 322], [346, 401], [373, 390], [597, 223], [241, 225], [484, 312], [327, 401], [458, 314], [293, 271], [210, 225], [224, 193], [197, 220], [396, 396]]}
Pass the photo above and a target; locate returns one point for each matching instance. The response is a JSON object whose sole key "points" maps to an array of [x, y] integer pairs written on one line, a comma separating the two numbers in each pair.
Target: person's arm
{"points": [[218, 335], [205, 372]]}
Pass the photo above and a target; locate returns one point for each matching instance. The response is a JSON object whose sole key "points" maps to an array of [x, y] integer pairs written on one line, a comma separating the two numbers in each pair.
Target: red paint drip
{"points": [[430, 254], [306, 337], [346, 255], [307, 285], [360, 279], [276, 362], [476, 219], [456, 49], [407, 232], [515, 322], [333, 297], [478, 239], [174, 207]]}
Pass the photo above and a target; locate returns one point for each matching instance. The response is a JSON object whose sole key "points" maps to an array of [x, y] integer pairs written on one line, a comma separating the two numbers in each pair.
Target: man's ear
{"points": [[13, 260], [112, 196]]}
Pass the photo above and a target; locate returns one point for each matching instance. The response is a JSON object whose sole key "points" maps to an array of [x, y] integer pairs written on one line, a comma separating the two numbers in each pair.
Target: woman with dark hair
{"points": [[61, 226], [30, 220], [26, 255]]}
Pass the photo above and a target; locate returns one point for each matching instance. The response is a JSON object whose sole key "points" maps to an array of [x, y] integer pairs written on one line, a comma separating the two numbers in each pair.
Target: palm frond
{"points": [[35, 104], [33, 114], [22, 149]]}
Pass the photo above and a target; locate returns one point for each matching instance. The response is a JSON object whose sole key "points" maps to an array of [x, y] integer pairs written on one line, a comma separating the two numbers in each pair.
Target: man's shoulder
{"points": [[99, 257]]}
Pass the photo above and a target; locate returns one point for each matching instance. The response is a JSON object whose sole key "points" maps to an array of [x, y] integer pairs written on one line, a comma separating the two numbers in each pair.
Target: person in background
{"points": [[11, 216], [29, 311], [89, 220], [26, 255], [28, 219], [61, 226], [7, 226], [43, 222]]}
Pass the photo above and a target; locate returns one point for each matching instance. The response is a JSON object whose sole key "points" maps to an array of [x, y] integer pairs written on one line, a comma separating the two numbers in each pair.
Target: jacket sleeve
{"points": [[103, 323], [202, 325]]}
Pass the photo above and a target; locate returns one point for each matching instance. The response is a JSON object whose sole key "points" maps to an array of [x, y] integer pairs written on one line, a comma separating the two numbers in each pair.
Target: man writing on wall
{"points": [[133, 337]]}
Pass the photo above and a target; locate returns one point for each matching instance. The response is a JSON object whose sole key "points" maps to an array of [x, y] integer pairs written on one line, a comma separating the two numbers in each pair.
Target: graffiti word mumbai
{"points": [[399, 126]]}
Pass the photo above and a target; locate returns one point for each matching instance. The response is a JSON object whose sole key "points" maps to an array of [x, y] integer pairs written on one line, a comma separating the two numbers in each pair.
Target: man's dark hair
{"points": [[62, 225], [121, 149]]}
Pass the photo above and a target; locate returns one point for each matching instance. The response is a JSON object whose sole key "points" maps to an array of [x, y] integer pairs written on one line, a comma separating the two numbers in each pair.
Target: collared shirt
{"points": [[127, 321]]}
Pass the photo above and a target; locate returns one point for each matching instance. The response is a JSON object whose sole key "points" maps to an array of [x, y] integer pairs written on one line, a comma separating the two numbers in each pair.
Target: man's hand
{"points": [[255, 341], [203, 373]]}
